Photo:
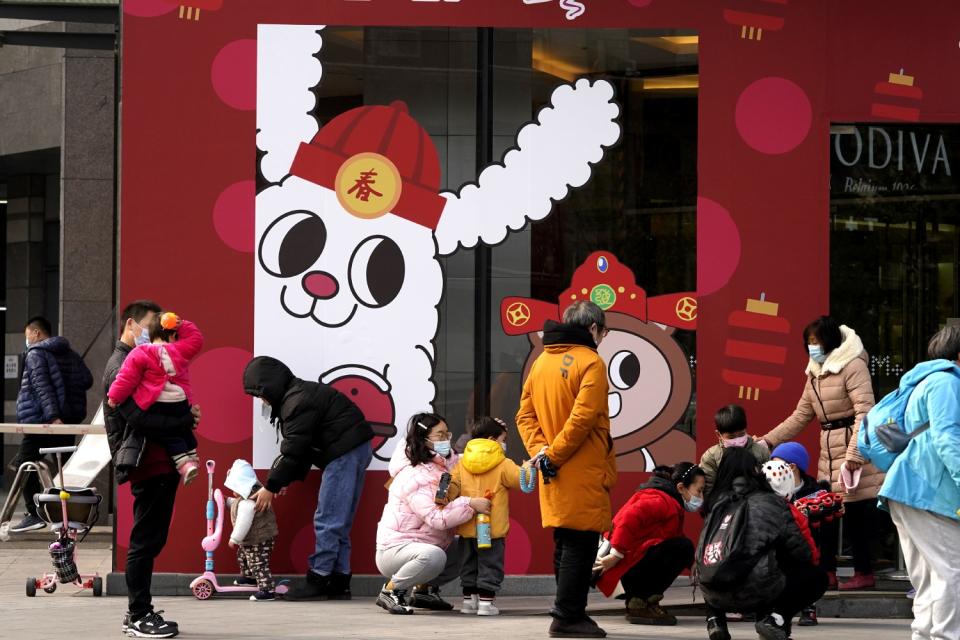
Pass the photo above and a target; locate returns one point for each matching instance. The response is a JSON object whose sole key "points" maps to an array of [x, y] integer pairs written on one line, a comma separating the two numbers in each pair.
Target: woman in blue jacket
{"points": [[922, 489]]}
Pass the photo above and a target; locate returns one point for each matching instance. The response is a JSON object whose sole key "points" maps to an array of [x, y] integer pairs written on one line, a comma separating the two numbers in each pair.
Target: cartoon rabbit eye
{"points": [[377, 270], [624, 370], [292, 243]]}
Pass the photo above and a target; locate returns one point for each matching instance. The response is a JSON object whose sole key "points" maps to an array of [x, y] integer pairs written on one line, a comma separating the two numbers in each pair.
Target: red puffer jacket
{"points": [[652, 515]]}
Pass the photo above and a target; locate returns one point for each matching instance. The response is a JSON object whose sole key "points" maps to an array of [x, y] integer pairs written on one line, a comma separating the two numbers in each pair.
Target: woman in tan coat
{"points": [[838, 394]]}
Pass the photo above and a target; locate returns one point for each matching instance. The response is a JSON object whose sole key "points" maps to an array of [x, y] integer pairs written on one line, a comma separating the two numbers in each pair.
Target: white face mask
{"points": [[503, 445], [26, 342], [266, 411]]}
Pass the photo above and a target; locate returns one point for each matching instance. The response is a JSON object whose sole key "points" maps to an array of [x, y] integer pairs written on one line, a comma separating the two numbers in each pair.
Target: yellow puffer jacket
{"points": [[483, 467], [564, 407]]}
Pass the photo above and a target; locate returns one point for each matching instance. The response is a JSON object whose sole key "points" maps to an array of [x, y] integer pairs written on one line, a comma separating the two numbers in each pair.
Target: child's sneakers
{"points": [[263, 596], [470, 604], [188, 466], [487, 608]]}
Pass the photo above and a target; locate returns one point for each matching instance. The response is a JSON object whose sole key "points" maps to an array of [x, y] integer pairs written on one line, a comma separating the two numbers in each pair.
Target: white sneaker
{"points": [[469, 604], [487, 608]]}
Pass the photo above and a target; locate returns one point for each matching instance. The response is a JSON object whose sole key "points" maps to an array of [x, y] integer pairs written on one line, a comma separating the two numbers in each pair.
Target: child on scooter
{"points": [[485, 472], [156, 375], [253, 531]]}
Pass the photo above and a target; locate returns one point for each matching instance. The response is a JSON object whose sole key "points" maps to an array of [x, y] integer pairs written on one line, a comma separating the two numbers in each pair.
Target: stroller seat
{"points": [[83, 507]]}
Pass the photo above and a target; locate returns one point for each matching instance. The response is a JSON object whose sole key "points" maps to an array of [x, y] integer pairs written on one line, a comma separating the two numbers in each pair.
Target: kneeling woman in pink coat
{"points": [[417, 529]]}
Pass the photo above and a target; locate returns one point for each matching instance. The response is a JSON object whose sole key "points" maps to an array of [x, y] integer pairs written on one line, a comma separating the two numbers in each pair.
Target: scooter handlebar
{"points": [[54, 450], [211, 466]]}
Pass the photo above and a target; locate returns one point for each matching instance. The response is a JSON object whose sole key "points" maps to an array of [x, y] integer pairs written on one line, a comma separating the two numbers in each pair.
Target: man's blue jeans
{"points": [[337, 505]]}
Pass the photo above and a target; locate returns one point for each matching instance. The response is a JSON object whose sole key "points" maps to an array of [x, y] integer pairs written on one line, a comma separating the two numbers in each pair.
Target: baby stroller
{"points": [[71, 512]]}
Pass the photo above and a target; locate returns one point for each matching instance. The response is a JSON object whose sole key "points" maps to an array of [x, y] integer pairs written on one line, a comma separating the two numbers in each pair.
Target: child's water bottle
{"points": [[484, 540]]}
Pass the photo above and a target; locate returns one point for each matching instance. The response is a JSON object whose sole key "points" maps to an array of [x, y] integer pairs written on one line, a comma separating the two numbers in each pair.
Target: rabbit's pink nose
{"points": [[320, 285]]}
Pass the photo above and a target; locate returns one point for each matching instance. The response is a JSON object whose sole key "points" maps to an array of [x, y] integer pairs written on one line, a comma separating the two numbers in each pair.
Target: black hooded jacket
{"points": [[772, 540], [316, 422], [558, 333]]}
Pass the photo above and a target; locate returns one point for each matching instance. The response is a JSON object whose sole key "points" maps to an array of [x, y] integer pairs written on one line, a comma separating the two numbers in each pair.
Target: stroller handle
{"points": [[45, 450]]}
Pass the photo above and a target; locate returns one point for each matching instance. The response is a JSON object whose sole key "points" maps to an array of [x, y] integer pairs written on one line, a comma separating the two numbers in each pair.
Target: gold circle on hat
{"points": [[687, 309], [368, 185], [518, 314]]}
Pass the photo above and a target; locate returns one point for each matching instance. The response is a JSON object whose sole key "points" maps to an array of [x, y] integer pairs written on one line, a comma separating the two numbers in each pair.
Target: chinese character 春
{"points": [[362, 186]]}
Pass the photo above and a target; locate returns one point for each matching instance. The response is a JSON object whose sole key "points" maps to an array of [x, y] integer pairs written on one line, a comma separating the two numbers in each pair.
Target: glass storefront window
{"points": [[472, 90]]}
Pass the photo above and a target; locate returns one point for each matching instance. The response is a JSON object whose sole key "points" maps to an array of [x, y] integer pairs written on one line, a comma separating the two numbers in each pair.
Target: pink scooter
{"points": [[204, 586]]}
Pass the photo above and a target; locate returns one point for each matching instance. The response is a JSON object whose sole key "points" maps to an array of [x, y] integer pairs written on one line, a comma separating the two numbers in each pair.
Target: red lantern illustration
{"points": [[901, 88], [760, 319], [753, 23], [190, 9]]}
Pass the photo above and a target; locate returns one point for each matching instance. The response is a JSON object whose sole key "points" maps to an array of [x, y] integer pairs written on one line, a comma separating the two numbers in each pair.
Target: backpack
{"points": [[722, 559], [882, 435]]}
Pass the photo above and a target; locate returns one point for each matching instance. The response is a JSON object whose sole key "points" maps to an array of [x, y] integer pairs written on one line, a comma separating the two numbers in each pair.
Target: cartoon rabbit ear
{"points": [[287, 70]]}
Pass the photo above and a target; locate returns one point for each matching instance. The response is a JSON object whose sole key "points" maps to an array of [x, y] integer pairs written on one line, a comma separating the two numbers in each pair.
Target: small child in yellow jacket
{"points": [[485, 471]]}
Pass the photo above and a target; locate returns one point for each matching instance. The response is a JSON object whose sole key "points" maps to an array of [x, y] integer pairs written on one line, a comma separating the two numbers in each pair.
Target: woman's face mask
{"points": [[816, 353], [442, 448], [693, 504], [265, 410]]}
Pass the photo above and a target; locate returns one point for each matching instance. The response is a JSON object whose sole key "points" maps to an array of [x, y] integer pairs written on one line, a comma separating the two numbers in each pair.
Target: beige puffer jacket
{"points": [[844, 388]]}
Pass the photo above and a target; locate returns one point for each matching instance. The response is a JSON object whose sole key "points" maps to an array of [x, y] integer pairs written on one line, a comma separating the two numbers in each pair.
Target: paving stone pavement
{"points": [[80, 616]]}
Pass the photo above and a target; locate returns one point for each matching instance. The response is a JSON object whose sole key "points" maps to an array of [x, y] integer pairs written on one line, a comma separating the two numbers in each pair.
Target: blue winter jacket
{"points": [[927, 474], [54, 385]]}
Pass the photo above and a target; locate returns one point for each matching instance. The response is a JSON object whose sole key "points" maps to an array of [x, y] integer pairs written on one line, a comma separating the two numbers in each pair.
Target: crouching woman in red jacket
{"points": [[647, 548]]}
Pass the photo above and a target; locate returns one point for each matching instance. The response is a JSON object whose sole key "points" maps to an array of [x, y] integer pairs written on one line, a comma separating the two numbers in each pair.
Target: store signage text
{"points": [[903, 149]]}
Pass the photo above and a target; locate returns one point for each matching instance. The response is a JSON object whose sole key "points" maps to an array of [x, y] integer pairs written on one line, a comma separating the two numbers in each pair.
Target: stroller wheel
{"points": [[203, 590], [51, 588], [97, 587], [31, 587]]}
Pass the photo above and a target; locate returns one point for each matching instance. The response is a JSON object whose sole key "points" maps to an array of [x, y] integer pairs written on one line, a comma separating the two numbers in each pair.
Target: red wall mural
{"points": [[773, 76]]}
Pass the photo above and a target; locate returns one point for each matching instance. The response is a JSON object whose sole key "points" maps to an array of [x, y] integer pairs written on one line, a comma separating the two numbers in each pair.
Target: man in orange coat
{"points": [[563, 416]]}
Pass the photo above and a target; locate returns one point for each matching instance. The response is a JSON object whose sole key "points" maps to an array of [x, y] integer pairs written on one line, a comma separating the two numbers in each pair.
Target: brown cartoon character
{"points": [[650, 381]]}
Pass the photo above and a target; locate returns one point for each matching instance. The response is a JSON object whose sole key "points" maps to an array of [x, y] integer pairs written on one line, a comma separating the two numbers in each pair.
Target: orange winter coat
{"points": [[483, 467], [564, 407], [839, 388]]}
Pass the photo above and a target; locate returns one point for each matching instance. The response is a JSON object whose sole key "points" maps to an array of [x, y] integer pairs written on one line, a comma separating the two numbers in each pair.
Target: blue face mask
{"points": [[442, 448], [693, 504], [816, 353], [143, 338]]}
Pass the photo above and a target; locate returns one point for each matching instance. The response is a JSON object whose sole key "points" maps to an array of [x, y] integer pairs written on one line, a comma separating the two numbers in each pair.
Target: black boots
{"points": [[335, 586]]}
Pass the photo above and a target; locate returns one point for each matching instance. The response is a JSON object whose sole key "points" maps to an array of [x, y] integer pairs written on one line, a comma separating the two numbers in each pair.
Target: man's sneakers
{"points": [[648, 611], [717, 628], [263, 596], [394, 601], [487, 608], [808, 617], [339, 586], [426, 597], [335, 586], [471, 604], [151, 625], [583, 628], [772, 627], [30, 522]]}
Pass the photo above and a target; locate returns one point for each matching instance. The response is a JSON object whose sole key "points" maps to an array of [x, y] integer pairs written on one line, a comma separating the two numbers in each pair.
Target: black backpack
{"points": [[722, 559]]}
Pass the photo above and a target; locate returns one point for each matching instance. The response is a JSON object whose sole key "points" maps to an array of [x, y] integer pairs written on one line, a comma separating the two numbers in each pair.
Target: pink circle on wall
{"points": [[147, 8], [519, 551], [773, 115], [718, 246], [227, 412], [233, 215], [234, 74]]}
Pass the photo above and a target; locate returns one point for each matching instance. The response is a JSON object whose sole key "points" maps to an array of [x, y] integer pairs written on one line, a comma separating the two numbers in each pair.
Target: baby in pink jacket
{"points": [[157, 376]]}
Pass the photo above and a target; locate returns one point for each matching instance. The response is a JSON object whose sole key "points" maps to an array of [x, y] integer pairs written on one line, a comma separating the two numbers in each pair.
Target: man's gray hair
{"points": [[584, 314], [945, 344]]}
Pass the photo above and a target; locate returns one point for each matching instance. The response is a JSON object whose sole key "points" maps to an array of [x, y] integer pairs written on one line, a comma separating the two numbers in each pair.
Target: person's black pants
{"points": [[573, 557], [30, 452], [805, 585], [860, 522], [658, 568], [152, 511]]}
